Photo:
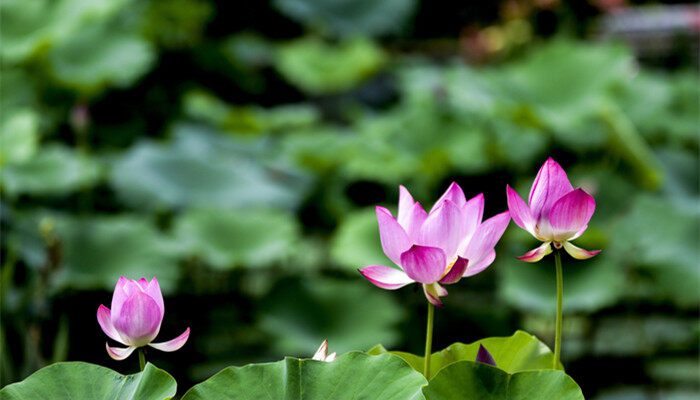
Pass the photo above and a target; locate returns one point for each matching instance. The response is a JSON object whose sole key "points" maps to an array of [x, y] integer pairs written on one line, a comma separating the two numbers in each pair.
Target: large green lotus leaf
{"points": [[202, 168], [350, 17], [588, 285], [356, 242], [229, 238], [317, 67], [19, 134], [87, 61], [468, 380], [352, 376], [30, 26], [98, 250], [660, 238], [54, 170], [83, 381], [298, 315], [519, 352]]}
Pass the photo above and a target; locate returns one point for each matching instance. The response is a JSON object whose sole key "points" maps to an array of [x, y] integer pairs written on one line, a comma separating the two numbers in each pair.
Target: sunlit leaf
{"points": [[19, 136]]}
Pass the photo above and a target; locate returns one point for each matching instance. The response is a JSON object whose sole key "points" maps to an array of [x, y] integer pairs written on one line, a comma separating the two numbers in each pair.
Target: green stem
{"points": [[142, 358], [428, 340], [560, 294]]}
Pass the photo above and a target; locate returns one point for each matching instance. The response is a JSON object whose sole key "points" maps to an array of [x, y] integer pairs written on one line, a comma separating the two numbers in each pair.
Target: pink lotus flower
{"points": [[441, 247], [556, 213], [135, 318], [322, 353]]}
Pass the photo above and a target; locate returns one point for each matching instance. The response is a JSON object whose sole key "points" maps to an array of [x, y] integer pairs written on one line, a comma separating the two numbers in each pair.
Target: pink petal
{"points": [[579, 253], [537, 254], [550, 185], [455, 273], [486, 236], [153, 290], [393, 237], [443, 228], [143, 284], [484, 356], [432, 295], [119, 353], [473, 212], [172, 345], [139, 319], [406, 203], [413, 222], [480, 265], [519, 211], [454, 194], [386, 277], [104, 318], [570, 214], [119, 296], [424, 264], [321, 352]]}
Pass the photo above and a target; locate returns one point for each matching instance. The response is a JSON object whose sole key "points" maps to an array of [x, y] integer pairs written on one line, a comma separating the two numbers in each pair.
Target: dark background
{"points": [[236, 150]]}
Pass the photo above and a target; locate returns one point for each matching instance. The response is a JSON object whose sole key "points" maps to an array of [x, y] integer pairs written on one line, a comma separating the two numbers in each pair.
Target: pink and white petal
{"points": [[550, 185], [456, 271], [486, 236], [441, 291], [413, 222], [119, 353], [424, 264], [172, 345], [331, 357], [139, 320], [406, 203], [385, 277], [153, 290], [537, 254], [320, 354], [473, 213], [119, 296], [480, 265], [432, 295], [104, 318], [393, 237], [570, 214], [454, 194], [443, 229], [579, 233], [519, 211], [143, 284], [579, 253]]}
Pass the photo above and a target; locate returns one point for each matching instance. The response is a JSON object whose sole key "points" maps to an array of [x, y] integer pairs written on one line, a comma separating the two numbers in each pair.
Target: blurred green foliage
{"points": [[148, 138]]}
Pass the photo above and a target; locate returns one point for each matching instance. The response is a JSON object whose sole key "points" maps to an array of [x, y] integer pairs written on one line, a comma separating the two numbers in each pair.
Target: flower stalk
{"points": [[428, 340], [142, 358], [560, 295]]}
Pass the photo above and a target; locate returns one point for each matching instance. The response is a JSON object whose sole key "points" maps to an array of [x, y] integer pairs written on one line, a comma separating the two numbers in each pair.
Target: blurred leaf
{"points": [[516, 353], [19, 133], [199, 167], [317, 67], [588, 285], [230, 238], [356, 243], [350, 315], [643, 335], [351, 376], [350, 17], [98, 250], [661, 238], [54, 170], [470, 380], [176, 23], [675, 370], [83, 381], [87, 61]]}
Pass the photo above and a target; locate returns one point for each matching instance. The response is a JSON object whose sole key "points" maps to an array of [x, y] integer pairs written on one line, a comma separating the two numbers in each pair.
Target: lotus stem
{"points": [[428, 340], [560, 295], [142, 358]]}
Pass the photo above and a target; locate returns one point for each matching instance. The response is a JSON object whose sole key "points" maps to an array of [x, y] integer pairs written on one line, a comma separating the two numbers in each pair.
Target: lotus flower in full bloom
{"points": [[435, 248], [322, 353], [557, 213], [135, 318]]}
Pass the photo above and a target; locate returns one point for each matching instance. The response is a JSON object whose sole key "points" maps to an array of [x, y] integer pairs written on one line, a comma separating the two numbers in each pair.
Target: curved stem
{"points": [[560, 295], [428, 341], [142, 358]]}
